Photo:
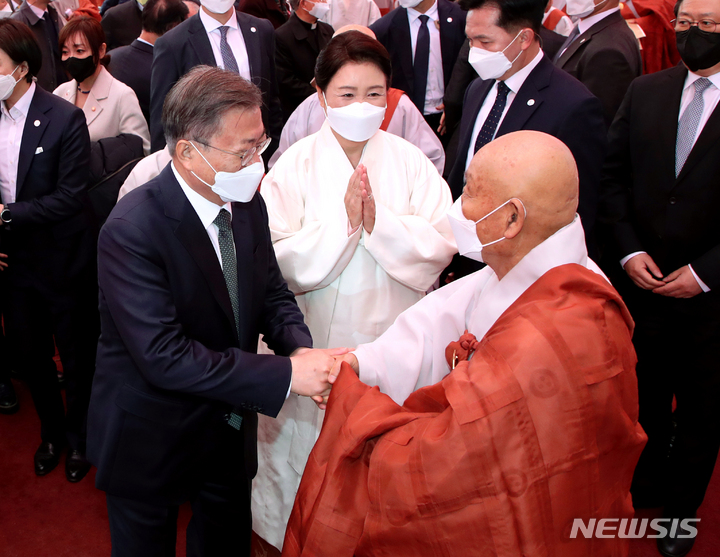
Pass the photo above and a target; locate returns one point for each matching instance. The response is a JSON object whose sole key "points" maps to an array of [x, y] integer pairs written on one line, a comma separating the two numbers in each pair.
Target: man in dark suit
{"points": [[188, 281], [531, 94], [660, 194], [231, 40], [272, 10], [297, 45], [132, 64], [49, 287], [45, 23], [603, 53], [122, 24], [424, 42]]}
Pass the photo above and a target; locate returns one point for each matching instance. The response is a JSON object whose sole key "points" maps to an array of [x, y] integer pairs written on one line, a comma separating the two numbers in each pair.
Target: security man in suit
{"points": [[660, 194], [122, 24], [217, 36], [601, 51], [188, 281], [423, 38], [49, 288]]}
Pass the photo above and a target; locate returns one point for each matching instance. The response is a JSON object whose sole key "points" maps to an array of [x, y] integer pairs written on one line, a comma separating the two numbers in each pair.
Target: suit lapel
{"points": [[446, 35], [194, 238], [586, 37], [402, 32], [38, 117], [473, 108], [200, 41], [528, 99], [666, 122], [252, 46]]}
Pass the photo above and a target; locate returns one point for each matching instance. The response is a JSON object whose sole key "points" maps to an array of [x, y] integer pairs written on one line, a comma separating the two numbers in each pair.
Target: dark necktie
{"points": [[489, 127], [420, 65], [571, 37], [226, 52], [229, 268]]}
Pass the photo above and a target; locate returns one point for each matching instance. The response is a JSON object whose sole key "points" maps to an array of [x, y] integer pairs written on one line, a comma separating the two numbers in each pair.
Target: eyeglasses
{"points": [[683, 24], [246, 157]]}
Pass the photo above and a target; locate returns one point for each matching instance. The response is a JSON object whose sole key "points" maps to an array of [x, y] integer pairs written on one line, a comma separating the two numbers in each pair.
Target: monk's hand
{"points": [[644, 272], [680, 284], [348, 358], [310, 370], [353, 198], [368, 201], [3, 263]]}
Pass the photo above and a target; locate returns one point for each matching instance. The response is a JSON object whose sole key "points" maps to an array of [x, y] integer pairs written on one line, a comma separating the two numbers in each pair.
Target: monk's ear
{"points": [[516, 221]]}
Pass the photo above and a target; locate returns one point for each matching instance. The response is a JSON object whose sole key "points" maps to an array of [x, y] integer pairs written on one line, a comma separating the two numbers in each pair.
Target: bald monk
{"points": [[535, 426]]}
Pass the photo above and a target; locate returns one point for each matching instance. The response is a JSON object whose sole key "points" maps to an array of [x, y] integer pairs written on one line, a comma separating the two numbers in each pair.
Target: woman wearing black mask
{"points": [[110, 106]]}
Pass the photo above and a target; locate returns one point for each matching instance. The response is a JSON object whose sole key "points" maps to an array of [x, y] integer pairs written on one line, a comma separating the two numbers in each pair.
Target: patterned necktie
{"points": [[688, 126], [229, 268], [227, 56], [571, 37], [489, 127], [420, 65]]}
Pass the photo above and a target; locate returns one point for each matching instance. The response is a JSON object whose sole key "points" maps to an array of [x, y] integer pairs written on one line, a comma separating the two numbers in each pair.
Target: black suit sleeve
{"points": [[134, 283], [165, 72], [275, 116], [462, 75], [615, 188], [73, 168], [288, 81]]}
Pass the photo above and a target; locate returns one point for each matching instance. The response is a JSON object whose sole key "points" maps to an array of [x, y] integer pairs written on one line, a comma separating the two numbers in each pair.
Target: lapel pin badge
{"points": [[38, 150], [531, 102], [36, 123], [253, 29]]}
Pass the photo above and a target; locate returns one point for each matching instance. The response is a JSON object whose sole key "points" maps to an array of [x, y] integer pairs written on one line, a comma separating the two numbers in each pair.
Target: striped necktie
{"points": [[228, 59]]}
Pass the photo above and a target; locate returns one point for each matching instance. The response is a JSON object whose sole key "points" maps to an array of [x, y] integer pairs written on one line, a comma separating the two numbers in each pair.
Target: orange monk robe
{"points": [[659, 50], [499, 458]]}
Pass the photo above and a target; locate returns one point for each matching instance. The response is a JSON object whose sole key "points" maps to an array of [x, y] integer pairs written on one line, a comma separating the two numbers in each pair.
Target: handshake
{"points": [[315, 370]]}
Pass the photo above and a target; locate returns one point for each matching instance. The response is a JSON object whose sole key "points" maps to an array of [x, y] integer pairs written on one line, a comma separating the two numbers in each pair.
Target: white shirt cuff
{"points": [[705, 287], [629, 257]]}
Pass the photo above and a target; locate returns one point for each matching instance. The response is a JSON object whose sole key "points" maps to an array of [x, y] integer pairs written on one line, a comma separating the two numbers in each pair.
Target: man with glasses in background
{"points": [[660, 196]]}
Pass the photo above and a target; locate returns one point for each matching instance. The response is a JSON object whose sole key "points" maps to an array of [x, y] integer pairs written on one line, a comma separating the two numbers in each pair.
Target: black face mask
{"points": [[699, 50], [79, 68]]}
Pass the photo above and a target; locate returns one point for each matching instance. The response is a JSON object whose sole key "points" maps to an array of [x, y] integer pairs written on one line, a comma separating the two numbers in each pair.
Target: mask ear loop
{"points": [[515, 39], [208, 163]]}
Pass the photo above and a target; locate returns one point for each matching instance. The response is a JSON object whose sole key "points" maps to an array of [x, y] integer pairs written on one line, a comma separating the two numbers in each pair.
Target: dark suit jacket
{"points": [[132, 65], [122, 24], [393, 31], [170, 361], [296, 52], [563, 108], [50, 242], [188, 45], [646, 207], [51, 73], [606, 58], [265, 9]]}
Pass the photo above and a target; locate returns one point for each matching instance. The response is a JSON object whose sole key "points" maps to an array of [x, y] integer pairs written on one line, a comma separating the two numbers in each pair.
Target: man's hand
{"points": [[354, 199], [310, 370], [368, 201], [679, 284], [644, 272], [321, 400], [3, 264], [442, 130]]}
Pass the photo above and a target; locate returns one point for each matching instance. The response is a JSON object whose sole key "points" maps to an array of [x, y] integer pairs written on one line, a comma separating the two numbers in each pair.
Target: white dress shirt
{"points": [[234, 38], [347, 12], [12, 124], [435, 89], [514, 82], [711, 96]]}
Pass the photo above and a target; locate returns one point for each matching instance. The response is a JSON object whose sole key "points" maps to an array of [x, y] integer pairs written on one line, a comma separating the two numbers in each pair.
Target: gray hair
{"points": [[196, 104]]}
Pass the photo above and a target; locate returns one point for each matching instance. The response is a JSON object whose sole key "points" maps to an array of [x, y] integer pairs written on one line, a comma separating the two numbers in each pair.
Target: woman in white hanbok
{"points": [[358, 222]]}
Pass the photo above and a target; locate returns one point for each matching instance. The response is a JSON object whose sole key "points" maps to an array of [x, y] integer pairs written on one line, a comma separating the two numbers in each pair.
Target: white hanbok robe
{"points": [[411, 353], [351, 12], [349, 287], [406, 122]]}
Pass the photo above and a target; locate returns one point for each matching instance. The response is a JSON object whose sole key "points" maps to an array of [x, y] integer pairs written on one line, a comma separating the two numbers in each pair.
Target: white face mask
{"points": [[465, 233], [319, 10], [491, 65], [217, 6], [408, 3], [235, 186], [7, 85], [581, 8], [356, 121]]}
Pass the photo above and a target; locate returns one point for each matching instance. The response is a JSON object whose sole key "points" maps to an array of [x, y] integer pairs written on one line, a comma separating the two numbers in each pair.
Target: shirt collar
{"points": [[144, 41], [205, 209], [211, 24], [22, 106], [37, 11], [585, 24], [693, 77], [515, 81], [432, 13]]}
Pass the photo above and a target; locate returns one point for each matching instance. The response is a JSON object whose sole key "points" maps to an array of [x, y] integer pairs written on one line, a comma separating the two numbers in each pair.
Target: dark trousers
{"points": [[433, 120], [678, 353], [221, 523]]}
